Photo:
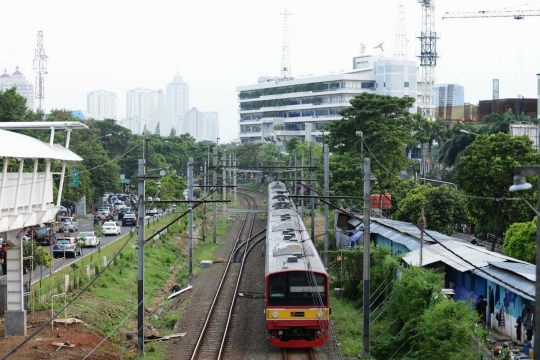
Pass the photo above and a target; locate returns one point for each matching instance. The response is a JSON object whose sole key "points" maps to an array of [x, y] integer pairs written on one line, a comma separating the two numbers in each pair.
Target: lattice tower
{"points": [[401, 34], [285, 49], [428, 58], [40, 67]]}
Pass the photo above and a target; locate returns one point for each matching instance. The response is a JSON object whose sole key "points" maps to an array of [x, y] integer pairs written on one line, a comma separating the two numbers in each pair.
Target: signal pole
{"points": [[224, 189], [214, 187], [190, 209]]}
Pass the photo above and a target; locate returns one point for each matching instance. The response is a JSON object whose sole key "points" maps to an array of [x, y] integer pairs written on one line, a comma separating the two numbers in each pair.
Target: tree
{"points": [[487, 171], [387, 126], [445, 330], [443, 207], [427, 133], [291, 144], [501, 123], [454, 148], [12, 106], [520, 241], [158, 132], [173, 132]]}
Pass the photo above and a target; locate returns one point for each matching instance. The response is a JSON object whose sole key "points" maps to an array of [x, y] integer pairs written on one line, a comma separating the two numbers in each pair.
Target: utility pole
{"points": [[367, 213], [190, 209], [234, 177], [302, 190], [312, 193], [224, 189], [140, 272], [214, 195], [326, 208], [205, 182]]}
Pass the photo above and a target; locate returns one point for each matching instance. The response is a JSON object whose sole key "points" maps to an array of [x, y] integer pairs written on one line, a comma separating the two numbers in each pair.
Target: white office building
{"points": [[202, 125], [177, 103], [163, 116], [17, 80], [279, 109], [449, 94], [102, 103], [141, 110]]}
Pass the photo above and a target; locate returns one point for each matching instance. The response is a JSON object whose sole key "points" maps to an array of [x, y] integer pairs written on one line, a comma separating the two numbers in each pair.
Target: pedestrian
{"points": [[481, 306], [21, 234], [72, 209]]}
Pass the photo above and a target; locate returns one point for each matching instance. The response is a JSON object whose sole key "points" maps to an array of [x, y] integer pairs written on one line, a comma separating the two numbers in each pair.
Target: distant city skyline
{"points": [[120, 54], [102, 103]]}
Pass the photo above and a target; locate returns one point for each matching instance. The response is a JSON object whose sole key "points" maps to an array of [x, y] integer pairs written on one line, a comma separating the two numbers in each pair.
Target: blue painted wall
{"points": [[396, 248]]}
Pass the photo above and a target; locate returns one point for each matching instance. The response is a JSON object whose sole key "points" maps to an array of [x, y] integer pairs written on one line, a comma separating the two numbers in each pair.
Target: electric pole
{"points": [[190, 209], [140, 272], [214, 187], [366, 277], [312, 193], [326, 208], [224, 189]]}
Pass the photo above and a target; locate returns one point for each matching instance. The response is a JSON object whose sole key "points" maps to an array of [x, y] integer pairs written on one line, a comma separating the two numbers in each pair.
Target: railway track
{"points": [[210, 344], [298, 354]]}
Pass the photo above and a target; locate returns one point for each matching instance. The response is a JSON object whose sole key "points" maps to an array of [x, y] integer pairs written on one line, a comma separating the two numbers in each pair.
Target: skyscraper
{"points": [[102, 102], [449, 95], [142, 109], [163, 116], [212, 126], [177, 103], [17, 80], [201, 125]]}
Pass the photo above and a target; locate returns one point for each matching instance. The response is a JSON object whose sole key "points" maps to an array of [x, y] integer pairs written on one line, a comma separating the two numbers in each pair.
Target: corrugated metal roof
{"points": [[475, 256], [520, 285], [525, 270], [412, 230], [14, 145], [406, 240]]}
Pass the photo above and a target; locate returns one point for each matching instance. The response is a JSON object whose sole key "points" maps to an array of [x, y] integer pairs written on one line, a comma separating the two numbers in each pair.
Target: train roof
{"points": [[288, 244]]}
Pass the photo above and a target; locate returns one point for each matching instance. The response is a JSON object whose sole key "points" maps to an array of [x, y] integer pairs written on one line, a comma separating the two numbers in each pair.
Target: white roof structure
{"points": [[14, 145], [43, 125], [475, 256]]}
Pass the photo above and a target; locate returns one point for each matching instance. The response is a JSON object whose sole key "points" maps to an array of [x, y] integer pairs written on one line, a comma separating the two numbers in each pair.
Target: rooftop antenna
{"points": [[40, 66], [428, 58], [401, 34], [362, 49], [285, 49]]}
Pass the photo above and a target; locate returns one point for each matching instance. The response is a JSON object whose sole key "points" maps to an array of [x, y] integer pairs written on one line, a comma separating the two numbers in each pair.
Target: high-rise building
{"points": [[102, 103], [142, 110], [449, 94], [177, 103], [163, 116], [201, 125], [17, 80], [279, 109]]}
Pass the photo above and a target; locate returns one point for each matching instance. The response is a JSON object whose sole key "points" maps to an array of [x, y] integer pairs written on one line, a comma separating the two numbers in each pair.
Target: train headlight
{"points": [[319, 314], [275, 314]]}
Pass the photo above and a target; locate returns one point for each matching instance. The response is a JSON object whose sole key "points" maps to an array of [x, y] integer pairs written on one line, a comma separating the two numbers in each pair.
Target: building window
{"points": [[406, 84]]}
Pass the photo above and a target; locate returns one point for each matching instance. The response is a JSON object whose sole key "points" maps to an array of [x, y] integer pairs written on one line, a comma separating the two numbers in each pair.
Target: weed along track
{"points": [[211, 342]]}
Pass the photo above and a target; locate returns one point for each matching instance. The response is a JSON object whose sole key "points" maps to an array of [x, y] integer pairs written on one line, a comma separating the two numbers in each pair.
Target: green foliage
{"points": [[41, 256], [445, 330], [487, 171], [387, 126], [443, 208], [12, 106], [520, 241]]}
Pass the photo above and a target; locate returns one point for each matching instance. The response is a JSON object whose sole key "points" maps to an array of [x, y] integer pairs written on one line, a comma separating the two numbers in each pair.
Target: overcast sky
{"points": [[218, 45]]}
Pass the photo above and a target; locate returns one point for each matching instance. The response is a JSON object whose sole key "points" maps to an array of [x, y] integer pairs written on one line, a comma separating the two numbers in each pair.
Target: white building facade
{"points": [[202, 125], [177, 103], [141, 110], [102, 103], [274, 110], [23, 86]]}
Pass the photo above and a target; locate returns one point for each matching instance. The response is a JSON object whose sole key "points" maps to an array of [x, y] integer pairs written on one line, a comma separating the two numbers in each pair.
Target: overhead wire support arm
{"points": [[516, 14]]}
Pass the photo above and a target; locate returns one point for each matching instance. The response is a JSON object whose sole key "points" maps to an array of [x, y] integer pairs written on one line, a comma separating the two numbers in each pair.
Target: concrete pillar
{"points": [[18, 188], [44, 193], [15, 316], [4, 182], [32, 186]]}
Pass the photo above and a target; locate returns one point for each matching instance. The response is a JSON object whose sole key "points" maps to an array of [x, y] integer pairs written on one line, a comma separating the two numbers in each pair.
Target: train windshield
{"points": [[297, 289]]}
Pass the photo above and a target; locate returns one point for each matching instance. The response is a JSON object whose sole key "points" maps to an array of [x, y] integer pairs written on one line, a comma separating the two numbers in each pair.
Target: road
{"points": [[84, 225]]}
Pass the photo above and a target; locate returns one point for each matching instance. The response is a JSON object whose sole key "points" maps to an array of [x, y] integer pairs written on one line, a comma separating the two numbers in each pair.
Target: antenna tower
{"points": [[40, 67], [428, 57], [285, 50], [401, 34], [495, 89]]}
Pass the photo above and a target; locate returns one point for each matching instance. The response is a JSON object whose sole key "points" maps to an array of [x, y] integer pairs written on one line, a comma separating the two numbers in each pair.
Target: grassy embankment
{"points": [[109, 305]]}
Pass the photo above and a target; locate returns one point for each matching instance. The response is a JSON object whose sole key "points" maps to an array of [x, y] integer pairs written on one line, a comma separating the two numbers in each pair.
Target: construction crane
{"points": [[516, 14]]}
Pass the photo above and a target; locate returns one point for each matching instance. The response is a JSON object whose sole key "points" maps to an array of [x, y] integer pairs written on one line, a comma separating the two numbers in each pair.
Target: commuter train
{"points": [[297, 297]]}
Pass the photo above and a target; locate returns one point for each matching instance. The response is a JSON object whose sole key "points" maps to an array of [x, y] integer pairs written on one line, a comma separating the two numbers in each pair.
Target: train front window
{"points": [[297, 289]]}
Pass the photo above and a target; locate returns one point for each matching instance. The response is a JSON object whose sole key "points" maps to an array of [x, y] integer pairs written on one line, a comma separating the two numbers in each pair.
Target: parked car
{"points": [[90, 237], [69, 223], [67, 246], [129, 220], [63, 211], [111, 228]]}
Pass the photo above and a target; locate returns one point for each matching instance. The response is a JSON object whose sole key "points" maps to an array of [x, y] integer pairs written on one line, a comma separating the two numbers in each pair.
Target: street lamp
{"points": [[104, 136], [468, 132], [521, 184]]}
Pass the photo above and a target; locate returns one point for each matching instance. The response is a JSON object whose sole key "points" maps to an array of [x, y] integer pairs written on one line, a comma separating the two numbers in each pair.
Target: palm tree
{"points": [[428, 133]]}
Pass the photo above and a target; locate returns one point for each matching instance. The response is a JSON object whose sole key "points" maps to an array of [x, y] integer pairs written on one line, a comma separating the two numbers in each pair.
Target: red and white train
{"points": [[297, 288]]}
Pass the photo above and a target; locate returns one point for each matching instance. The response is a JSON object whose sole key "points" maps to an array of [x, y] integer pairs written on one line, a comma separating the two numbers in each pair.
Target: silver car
{"points": [[69, 223]]}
